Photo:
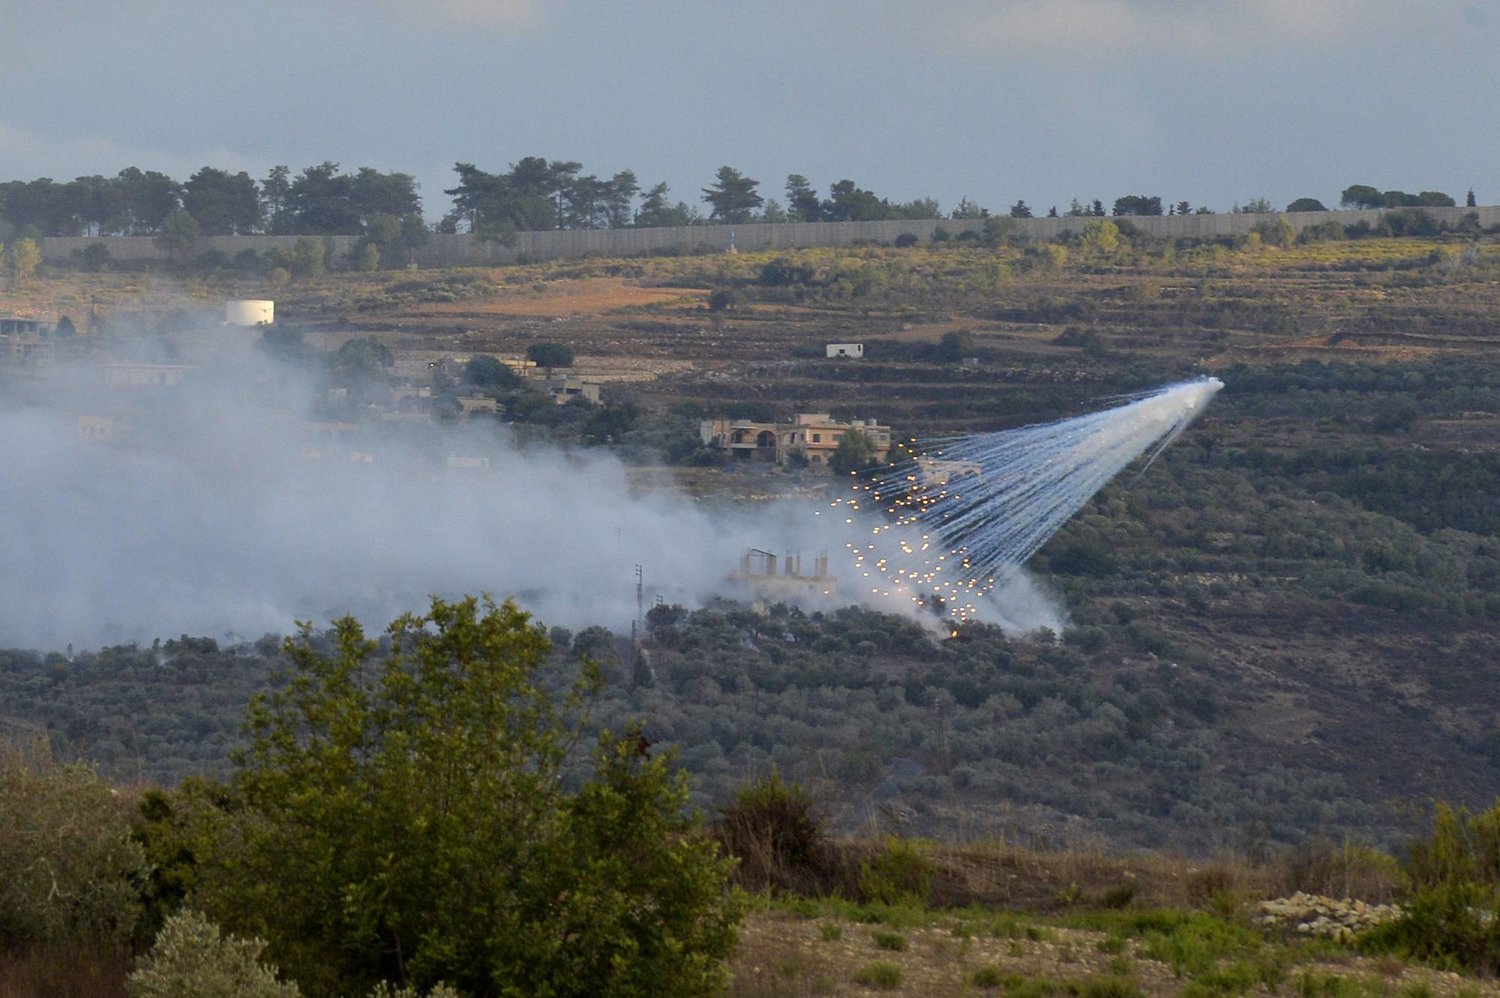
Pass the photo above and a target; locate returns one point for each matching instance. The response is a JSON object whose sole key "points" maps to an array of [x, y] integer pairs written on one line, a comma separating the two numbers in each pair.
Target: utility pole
{"points": [[637, 624]]}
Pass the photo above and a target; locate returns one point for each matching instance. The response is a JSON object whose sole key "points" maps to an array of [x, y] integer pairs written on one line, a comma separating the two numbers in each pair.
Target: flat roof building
{"points": [[813, 435]]}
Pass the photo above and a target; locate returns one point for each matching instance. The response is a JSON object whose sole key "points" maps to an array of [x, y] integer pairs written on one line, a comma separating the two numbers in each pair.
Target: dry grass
{"points": [[782, 954], [1016, 878]]}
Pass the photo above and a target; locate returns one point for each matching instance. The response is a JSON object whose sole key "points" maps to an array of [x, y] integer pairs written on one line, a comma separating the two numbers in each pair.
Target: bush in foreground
{"points": [[68, 864], [409, 820], [1452, 915], [771, 829]]}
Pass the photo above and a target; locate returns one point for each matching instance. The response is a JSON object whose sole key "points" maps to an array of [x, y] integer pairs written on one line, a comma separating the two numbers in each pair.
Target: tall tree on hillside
{"points": [[967, 210], [147, 198], [619, 197], [39, 206], [1361, 196], [414, 235], [374, 193], [583, 203], [918, 208], [657, 210], [478, 196], [802, 203], [276, 199], [96, 205], [849, 203], [526, 199], [320, 202], [223, 204], [1137, 204], [732, 196]]}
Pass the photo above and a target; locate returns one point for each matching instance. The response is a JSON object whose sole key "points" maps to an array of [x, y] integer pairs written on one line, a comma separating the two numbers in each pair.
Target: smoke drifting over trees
{"points": [[218, 509]]}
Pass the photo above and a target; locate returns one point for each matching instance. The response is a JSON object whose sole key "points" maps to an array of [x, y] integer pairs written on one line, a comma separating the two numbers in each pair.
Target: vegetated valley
{"points": [[1285, 631]]}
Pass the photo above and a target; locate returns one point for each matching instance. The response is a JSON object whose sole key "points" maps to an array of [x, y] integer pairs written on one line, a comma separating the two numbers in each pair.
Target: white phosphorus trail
{"points": [[969, 512]]}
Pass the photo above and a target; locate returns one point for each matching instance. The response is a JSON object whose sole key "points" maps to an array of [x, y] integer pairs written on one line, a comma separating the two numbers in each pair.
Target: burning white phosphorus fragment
{"points": [[973, 509]]}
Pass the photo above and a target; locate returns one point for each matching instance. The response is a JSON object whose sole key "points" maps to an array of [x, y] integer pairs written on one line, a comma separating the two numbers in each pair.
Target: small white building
{"points": [[853, 350]]}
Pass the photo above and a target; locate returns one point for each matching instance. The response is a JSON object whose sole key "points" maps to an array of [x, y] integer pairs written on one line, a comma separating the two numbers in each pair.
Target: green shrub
{"points": [[1110, 987], [1310, 984], [771, 829], [881, 976], [387, 990], [1120, 895], [831, 932], [1462, 848], [893, 941], [1191, 943], [901, 872], [988, 976], [1234, 978], [68, 865], [1452, 917], [191, 957], [422, 818], [1450, 925]]}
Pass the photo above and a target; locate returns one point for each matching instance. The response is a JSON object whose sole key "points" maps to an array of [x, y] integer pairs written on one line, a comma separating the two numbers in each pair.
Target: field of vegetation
{"points": [[1283, 635]]}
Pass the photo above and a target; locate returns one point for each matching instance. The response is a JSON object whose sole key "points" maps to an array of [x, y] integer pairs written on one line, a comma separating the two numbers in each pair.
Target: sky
{"points": [[1211, 102]]}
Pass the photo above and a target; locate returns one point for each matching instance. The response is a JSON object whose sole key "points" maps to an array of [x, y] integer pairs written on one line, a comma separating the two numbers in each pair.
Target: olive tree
{"points": [[550, 355], [855, 452], [22, 259], [423, 816], [68, 863]]}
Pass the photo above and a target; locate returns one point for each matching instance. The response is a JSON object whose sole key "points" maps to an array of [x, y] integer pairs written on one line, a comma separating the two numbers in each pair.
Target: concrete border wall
{"points": [[465, 250]]}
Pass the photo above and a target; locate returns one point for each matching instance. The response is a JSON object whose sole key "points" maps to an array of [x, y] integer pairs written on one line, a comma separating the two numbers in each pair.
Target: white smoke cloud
{"points": [[217, 510], [207, 517]]}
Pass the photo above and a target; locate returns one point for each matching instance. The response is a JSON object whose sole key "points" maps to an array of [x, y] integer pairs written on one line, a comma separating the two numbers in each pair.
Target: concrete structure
{"points": [[250, 312], [768, 578], [102, 429], [25, 342], [845, 349], [468, 462], [127, 374], [565, 390], [478, 403], [814, 435], [465, 250]]}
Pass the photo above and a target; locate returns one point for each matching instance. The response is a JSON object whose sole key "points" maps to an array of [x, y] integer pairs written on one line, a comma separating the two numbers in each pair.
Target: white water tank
{"points": [[250, 313]]}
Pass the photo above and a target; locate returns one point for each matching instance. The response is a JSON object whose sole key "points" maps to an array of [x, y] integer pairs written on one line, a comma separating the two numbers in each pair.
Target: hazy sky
{"points": [[1204, 100]]}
